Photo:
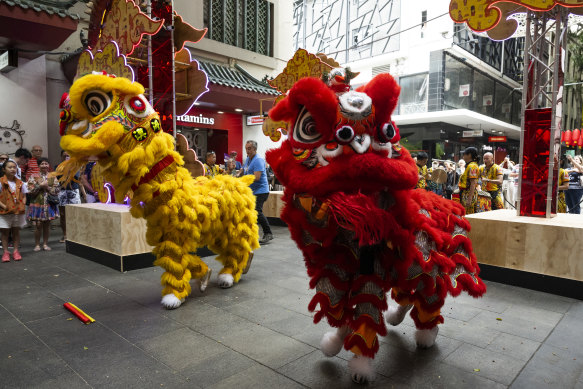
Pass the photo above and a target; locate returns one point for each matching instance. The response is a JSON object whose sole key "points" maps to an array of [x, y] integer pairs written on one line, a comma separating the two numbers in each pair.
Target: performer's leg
{"points": [[176, 278], [368, 300], [332, 302], [396, 315]]}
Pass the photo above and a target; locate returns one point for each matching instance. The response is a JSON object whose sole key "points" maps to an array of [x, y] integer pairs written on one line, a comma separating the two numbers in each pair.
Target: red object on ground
{"points": [[79, 313]]}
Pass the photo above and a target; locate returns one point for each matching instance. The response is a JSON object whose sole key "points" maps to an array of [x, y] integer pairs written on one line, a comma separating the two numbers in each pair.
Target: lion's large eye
{"points": [[386, 132], [97, 102], [305, 130], [138, 106]]}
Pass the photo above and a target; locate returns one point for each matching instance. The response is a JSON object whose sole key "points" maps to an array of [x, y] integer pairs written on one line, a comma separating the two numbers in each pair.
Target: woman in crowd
{"points": [[231, 167], [43, 208], [468, 183], [575, 192]]}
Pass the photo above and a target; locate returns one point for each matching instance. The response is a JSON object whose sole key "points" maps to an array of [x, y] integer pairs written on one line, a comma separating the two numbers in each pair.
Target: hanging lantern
{"points": [[562, 136], [576, 135], [581, 140], [568, 137]]}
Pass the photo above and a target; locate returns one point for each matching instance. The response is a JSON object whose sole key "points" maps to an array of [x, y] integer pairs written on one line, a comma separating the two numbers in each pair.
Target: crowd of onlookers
{"points": [[31, 197], [254, 165], [494, 183]]}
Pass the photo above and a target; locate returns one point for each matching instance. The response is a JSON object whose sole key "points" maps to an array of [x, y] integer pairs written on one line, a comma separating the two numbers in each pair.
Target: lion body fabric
{"points": [[352, 209], [108, 118]]}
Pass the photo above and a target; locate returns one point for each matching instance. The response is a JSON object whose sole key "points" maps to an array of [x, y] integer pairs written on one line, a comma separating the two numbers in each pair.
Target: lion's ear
{"points": [[384, 92]]}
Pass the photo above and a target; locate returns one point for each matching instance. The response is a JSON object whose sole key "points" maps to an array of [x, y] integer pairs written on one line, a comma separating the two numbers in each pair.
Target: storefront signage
{"points": [[199, 119], [8, 61], [473, 133], [255, 120], [492, 139]]}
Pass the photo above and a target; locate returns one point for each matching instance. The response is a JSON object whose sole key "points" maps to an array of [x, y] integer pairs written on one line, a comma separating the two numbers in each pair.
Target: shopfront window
{"points": [[516, 108], [483, 94], [457, 90], [503, 103], [466, 87], [413, 98]]}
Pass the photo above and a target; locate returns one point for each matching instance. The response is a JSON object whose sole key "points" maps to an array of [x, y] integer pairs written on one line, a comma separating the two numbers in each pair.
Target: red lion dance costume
{"points": [[364, 230]]}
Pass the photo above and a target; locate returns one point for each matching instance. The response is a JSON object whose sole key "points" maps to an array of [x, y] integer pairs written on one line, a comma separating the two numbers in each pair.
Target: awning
{"points": [[233, 88], [31, 26], [463, 118], [235, 77]]}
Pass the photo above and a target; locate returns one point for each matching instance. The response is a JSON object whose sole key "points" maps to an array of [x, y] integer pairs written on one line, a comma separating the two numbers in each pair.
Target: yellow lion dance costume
{"points": [[109, 119]]}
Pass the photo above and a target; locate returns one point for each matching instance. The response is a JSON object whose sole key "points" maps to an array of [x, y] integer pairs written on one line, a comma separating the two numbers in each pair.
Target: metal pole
{"points": [[525, 86], [555, 91], [305, 17], [347, 31], [173, 75], [150, 66]]}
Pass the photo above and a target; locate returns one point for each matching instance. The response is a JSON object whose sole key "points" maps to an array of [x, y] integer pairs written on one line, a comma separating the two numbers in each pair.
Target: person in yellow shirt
{"points": [[468, 183], [563, 186], [210, 167], [492, 178], [421, 162]]}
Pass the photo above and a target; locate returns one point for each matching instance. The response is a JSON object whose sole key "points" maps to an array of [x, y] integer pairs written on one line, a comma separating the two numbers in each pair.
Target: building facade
{"points": [[457, 89], [247, 42]]}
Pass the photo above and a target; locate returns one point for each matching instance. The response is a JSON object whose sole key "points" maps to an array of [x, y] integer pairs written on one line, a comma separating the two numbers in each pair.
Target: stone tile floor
{"points": [[259, 334]]}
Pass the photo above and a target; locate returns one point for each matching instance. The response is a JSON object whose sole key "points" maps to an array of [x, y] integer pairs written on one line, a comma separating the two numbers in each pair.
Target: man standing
{"points": [[211, 168], [21, 157], [492, 179], [256, 165], [421, 162], [32, 165]]}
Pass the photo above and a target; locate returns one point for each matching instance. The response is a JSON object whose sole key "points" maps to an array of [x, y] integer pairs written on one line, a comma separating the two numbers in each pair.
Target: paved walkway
{"points": [[259, 334]]}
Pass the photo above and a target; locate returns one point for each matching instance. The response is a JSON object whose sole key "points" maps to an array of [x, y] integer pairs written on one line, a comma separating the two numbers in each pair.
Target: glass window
{"points": [[516, 107], [413, 96], [483, 94], [503, 103], [457, 88]]}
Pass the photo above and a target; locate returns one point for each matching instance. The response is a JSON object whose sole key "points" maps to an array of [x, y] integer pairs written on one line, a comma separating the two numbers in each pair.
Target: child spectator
{"points": [[12, 207], [69, 194], [44, 203]]}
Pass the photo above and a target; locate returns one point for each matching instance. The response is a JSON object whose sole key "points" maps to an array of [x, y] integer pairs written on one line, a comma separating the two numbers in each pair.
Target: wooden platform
{"points": [[273, 205], [539, 251], [108, 234]]}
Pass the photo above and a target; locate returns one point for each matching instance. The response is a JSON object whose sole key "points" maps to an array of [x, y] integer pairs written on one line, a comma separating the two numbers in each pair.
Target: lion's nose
{"points": [[356, 101]]}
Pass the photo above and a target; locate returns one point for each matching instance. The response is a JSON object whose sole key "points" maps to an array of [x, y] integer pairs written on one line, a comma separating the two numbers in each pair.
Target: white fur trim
{"points": [[170, 301], [426, 338], [225, 280], [332, 341], [361, 369], [396, 314]]}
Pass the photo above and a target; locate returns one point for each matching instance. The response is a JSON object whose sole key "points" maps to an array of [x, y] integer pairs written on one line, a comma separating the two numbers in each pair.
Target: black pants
{"points": [[261, 219]]}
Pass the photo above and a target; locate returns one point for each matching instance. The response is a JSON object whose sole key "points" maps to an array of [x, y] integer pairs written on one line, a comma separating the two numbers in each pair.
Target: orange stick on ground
{"points": [[85, 318]]}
